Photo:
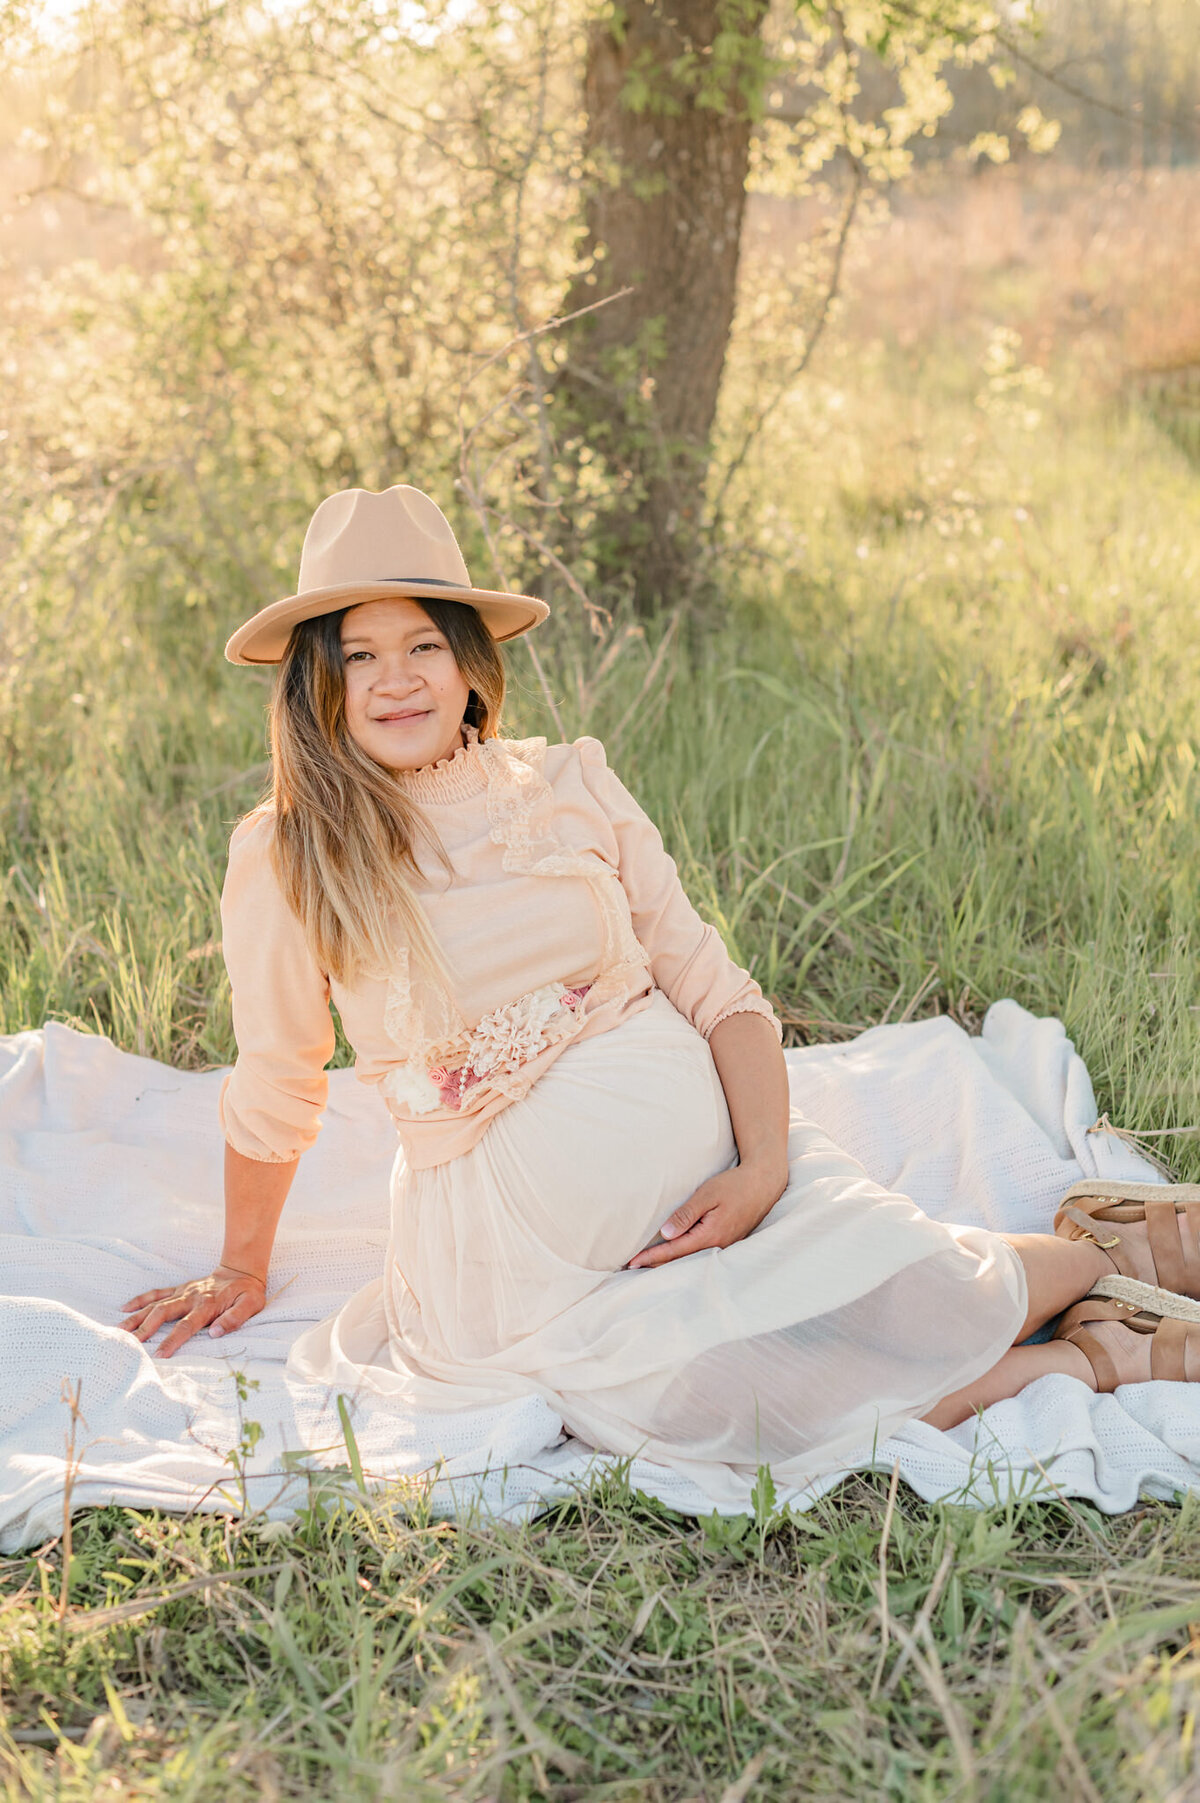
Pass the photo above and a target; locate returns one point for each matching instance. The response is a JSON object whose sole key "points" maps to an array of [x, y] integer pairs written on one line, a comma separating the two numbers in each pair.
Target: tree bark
{"points": [[670, 90]]}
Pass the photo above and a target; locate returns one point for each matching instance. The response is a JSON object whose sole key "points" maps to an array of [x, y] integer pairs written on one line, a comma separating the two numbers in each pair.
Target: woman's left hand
{"points": [[724, 1209]]}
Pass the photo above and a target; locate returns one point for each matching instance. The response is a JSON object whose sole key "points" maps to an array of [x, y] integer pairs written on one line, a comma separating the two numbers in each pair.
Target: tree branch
{"points": [[814, 337]]}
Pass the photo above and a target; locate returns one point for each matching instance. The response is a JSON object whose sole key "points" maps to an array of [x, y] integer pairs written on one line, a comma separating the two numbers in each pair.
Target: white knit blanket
{"points": [[110, 1183]]}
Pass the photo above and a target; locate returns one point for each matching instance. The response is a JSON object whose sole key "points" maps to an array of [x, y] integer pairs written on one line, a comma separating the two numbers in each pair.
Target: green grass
{"points": [[919, 770], [612, 1649], [940, 748]]}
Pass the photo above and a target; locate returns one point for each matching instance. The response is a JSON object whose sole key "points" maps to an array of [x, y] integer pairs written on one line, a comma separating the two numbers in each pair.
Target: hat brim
{"points": [[263, 639]]}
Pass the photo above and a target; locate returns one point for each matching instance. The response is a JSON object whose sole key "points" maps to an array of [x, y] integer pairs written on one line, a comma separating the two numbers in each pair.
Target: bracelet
{"points": [[222, 1266]]}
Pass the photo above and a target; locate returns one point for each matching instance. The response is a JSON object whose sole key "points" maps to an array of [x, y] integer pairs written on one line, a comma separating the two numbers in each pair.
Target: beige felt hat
{"points": [[362, 546]]}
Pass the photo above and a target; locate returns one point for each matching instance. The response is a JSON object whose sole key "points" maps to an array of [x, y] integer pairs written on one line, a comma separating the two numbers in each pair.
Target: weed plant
{"points": [[874, 1647], [936, 744]]}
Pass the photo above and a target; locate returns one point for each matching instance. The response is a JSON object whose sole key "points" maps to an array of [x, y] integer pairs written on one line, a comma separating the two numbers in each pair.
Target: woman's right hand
{"points": [[223, 1301]]}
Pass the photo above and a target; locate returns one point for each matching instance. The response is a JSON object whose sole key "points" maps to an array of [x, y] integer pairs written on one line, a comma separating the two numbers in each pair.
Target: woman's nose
{"points": [[396, 679]]}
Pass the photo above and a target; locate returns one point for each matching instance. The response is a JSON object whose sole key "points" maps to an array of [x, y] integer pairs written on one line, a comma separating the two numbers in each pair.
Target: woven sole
{"points": [[1147, 1296], [1133, 1192]]}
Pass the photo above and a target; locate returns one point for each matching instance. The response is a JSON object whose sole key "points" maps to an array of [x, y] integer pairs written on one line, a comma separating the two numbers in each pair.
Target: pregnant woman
{"points": [[599, 1195]]}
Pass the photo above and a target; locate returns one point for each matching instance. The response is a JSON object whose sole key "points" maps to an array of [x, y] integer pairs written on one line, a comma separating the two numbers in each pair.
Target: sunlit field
{"points": [[934, 743]]}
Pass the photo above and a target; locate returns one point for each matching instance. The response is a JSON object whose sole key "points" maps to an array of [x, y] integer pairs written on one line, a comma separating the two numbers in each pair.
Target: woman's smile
{"points": [[405, 694]]}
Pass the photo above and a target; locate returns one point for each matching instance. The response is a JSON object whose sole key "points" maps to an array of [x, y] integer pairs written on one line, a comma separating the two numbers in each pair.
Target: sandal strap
{"points": [[1091, 1229], [1168, 1350], [1170, 1339], [1102, 1366], [1073, 1327], [1172, 1229]]}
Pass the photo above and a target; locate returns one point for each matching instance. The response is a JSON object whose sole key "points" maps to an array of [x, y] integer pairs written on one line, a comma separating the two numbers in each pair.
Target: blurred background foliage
{"points": [[256, 253], [883, 604], [324, 235], [870, 513]]}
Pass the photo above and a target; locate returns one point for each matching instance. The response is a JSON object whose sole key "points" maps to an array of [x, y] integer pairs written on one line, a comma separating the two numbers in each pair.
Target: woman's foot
{"points": [[1128, 1351], [1094, 1343], [1123, 1344], [1146, 1233], [1134, 1238]]}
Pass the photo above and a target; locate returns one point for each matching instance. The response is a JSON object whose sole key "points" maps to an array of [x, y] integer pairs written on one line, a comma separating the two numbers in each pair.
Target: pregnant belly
{"points": [[564, 1187]]}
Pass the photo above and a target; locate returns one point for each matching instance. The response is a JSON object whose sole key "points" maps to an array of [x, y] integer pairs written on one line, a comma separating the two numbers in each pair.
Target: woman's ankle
{"points": [[1021, 1366], [1076, 1363], [1058, 1272]]}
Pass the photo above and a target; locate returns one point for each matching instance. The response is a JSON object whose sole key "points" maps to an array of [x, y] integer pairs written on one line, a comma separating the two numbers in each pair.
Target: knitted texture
{"points": [[110, 1183]]}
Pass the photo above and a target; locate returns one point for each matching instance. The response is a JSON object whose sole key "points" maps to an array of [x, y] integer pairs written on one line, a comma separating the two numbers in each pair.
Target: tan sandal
{"points": [[1094, 1210], [1173, 1336]]}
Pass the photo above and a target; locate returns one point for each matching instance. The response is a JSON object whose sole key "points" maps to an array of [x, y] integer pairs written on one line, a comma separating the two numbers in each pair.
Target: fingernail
{"points": [[668, 1231], [216, 1331]]}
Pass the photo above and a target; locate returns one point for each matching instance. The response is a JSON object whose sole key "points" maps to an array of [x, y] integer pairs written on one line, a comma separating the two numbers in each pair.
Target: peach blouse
{"points": [[562, 914]]}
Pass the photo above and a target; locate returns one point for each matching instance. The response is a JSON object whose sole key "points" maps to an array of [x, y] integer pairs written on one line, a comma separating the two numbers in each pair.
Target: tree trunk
{"points": [[670, 90]]}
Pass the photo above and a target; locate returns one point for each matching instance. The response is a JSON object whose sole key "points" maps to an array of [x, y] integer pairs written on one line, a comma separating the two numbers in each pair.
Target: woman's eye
{"points": [[352, 657]]}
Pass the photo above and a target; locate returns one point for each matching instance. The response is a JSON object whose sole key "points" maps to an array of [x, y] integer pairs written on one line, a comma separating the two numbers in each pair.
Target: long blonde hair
{"points": [[346, 834]]}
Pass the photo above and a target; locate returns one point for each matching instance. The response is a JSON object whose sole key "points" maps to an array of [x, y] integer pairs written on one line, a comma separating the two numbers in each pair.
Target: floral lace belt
{"points": [[494, 1052]]}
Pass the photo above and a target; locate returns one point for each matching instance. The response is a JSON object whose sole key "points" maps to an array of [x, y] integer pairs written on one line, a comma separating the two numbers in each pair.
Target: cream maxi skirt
{"points": [[847, 1312]]}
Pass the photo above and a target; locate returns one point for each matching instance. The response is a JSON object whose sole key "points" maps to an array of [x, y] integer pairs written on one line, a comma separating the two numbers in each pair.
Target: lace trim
{"points": [[397, 1001], [520, 802], [426, 1025], [520, 805], [521, 809]]}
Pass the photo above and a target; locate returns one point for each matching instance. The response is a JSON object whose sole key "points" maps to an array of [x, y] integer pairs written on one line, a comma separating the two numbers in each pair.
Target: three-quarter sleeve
{"points": [[272, 1101], [688, 959]]}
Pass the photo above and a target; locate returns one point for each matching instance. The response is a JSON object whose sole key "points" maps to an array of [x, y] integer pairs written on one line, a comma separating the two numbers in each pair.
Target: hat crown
{"points": [[357, 545], [399, 535]]}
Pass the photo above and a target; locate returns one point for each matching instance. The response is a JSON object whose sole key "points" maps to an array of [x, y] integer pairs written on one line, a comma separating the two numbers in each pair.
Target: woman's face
{"points": [[405, 695]]}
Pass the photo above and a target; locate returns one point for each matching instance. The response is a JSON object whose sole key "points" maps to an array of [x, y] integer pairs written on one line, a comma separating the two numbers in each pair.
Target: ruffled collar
{"points": [[452, 778]]}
